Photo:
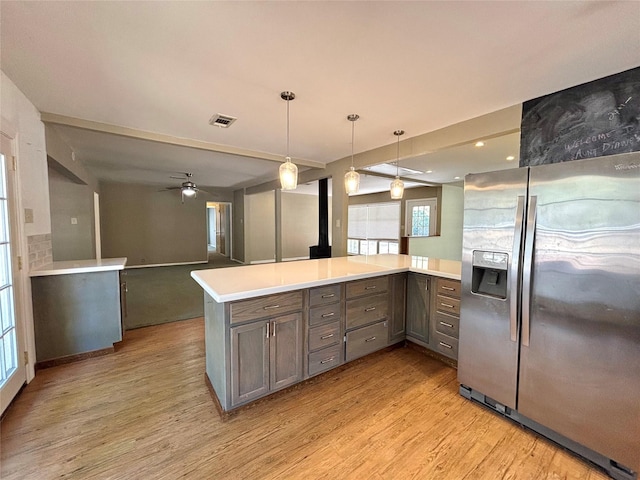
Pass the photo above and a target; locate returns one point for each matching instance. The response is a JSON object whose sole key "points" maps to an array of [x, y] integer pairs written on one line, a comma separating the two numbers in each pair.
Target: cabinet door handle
{"points": [[268, 329], [448, 288], [270, 307], [370, 309], [273, 329], [446, 324], [322, 362], [446, 305], [329, 295], [370, 287], [370, 339], [445, 345], [327, 315], [324, 337]]}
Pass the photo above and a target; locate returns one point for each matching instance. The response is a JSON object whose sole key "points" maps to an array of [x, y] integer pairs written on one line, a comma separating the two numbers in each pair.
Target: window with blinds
{"points": [[373, 228]]}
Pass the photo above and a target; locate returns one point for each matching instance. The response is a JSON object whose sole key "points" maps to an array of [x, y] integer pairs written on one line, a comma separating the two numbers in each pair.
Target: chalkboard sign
{"points": [[590, 120]]}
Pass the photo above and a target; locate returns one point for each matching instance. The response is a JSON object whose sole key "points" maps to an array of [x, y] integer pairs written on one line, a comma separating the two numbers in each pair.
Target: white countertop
{"points": [[79, 266], [248, 281]]}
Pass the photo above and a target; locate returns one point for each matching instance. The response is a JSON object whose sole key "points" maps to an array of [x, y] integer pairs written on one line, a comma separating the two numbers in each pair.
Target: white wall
{"points": [[448, 245], [21, 118], [300, 224]]}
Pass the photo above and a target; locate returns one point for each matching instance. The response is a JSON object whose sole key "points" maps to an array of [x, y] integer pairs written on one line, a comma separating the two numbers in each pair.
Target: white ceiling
{"points": [[167, 67]]}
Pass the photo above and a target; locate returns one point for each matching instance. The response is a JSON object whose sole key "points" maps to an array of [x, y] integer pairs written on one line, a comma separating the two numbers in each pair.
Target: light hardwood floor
{"points": [[144, 412]]}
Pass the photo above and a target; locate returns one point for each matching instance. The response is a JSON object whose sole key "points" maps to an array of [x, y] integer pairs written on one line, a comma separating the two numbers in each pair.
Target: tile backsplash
{"points": [[40, 250]]}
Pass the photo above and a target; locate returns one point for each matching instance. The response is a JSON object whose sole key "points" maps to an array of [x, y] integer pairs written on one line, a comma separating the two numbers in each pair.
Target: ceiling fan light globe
{"points": [[188, 191]]}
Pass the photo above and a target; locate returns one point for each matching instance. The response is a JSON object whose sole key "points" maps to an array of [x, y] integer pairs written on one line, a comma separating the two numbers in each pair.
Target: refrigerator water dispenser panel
{"points": [[490, 274]]}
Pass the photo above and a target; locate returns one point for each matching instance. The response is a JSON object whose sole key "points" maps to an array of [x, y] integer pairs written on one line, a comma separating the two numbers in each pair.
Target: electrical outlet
{"points": [[74, 221], [28, 215]]}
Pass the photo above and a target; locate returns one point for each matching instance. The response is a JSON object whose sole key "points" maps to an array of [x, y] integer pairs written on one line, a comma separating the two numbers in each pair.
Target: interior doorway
{"points": [[219, 232]]}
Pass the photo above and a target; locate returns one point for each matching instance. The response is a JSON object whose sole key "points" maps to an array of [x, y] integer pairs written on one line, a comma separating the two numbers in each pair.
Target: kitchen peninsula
{"points": [[270, 326], [77, 309]]}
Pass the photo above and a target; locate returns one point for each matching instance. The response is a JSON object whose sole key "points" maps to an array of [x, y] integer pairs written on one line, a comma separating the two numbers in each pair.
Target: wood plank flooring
{"points": [[144, 412]]}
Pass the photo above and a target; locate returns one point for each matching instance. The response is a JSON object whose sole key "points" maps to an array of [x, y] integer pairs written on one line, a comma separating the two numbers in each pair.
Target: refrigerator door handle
{"points": [[527, 268], [515, 269]]}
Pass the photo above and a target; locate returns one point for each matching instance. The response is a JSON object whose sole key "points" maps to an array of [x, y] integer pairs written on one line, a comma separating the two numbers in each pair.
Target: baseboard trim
{"points": [[54, 362]]}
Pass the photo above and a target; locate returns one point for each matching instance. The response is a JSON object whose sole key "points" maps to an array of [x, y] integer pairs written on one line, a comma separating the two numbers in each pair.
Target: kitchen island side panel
{"points": [[76, 313], [216, 342]]}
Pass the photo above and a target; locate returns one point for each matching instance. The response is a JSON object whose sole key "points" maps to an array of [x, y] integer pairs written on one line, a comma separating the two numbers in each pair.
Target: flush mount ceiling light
{"points": [[352, 178], [510, 158], [480, 144], [397, 185], [288, 170]]}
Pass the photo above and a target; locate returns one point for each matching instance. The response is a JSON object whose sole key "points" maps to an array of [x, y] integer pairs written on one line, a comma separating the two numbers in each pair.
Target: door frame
{"points": [[24, 334]]}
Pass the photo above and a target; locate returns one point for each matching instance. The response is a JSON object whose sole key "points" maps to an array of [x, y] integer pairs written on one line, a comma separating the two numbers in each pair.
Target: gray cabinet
{"points": [[325, 344], [397, 307], [367, 316], [445, 320], [265, 356], [417, 318]]}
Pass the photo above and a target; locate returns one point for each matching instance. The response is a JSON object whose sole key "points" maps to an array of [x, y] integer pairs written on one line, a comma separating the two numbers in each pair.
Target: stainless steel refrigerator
{"points": [[550, 310]]}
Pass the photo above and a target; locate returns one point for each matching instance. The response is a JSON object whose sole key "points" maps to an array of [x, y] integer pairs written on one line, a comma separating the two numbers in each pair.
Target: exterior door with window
{"points": [[12, 366]]}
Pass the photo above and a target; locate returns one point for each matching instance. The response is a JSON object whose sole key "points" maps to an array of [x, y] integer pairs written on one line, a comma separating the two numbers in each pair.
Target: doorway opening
{"points": [[219, 229]]}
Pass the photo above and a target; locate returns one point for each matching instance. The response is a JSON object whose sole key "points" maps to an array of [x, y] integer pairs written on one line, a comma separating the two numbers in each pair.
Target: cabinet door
{"points": [[398, 294], [286, 350], [418, 307], [249, 362]]}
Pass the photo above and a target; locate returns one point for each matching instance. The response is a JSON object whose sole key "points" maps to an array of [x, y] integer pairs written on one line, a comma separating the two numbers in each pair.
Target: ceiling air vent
{"points": [[222, 121]]}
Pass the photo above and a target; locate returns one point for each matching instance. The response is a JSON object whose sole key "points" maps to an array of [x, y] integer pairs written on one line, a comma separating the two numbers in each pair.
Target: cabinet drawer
{"points": [[446, 345], [447, 324], [324, 295], [324, 335], [325, 359], [365, 340], [450, 288], [328, 313], [448, 305], [261, 307], [362, 311], [367, 286]]}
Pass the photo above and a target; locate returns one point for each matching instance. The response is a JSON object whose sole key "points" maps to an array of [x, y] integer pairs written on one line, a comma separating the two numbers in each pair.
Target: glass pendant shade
{"points": [[288, 170], [188, 191], [397, 189], [288, 175], [352, 181]]}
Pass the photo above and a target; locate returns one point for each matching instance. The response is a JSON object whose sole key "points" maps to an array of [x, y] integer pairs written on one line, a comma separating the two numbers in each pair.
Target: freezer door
{"points": [[488, 350], [580, 372]]}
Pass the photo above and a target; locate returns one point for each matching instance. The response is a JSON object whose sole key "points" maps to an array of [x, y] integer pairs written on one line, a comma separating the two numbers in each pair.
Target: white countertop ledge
{"points": [[79, 266], [248, 281]]}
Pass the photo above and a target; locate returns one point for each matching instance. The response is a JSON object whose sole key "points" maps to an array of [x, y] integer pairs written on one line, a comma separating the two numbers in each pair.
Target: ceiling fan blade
{"points": [[178, 178], [208, 192]]}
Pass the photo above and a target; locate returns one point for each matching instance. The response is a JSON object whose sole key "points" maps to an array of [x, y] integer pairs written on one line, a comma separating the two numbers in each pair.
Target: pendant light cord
{"points": [[288, 157], [398, 158], [353, 126]]}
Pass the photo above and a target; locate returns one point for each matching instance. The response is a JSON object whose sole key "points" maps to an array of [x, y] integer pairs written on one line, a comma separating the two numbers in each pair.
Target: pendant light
{"points": [[397, 185], [288, 170], [352, 178]]}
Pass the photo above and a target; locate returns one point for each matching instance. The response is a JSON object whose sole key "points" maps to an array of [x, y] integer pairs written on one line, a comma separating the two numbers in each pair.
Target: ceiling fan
{"points": [[188, 187]]}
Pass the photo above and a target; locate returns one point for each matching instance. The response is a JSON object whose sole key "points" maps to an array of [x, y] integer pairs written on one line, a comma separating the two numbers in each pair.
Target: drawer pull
{"points": [[326, 315], [329, 295], [445, 345], [370, 309], [446, 305], [370, 287], [322, 362], [324, 337], [271, 307], [447, 288], [370, 339], [446, 324]]}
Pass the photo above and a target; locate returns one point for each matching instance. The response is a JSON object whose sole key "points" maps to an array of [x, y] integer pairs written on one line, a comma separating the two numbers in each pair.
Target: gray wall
{"points": [[69, 200], [260, 227], [237, 228], [151, 227], [300, 224]]}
